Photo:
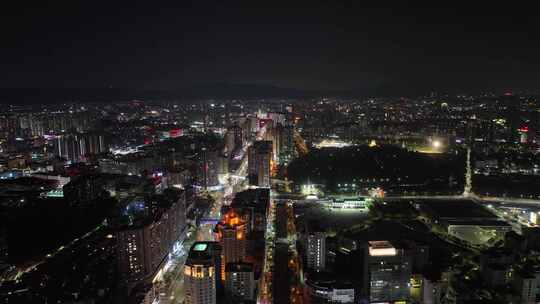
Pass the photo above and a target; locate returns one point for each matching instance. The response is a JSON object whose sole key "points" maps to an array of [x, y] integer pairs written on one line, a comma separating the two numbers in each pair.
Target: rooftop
{"points": [[200, 247], [201, 253], [381, 248]]}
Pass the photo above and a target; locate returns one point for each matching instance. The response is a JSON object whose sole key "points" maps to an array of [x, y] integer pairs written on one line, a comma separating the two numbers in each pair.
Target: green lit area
{"points": [[200, 247], [55, 193]]}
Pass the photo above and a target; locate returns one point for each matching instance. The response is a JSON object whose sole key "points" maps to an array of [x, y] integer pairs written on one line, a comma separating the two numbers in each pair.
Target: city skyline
{"points": [[222, 152]]}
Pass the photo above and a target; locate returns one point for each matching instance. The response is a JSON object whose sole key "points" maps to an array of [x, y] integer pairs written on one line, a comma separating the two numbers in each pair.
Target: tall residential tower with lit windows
{"points": [[316, 251], [200, 273]]}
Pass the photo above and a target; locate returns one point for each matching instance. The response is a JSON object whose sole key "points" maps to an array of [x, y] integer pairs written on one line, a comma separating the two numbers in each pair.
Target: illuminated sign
{"points": [[175, 132]]}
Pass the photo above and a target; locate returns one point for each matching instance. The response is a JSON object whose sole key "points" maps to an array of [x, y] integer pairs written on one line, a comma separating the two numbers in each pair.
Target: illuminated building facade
{"points": [[389, 273], [259, 162], [70, 147], [252, 204], [78, 146], [200, 273], [316, 251], [231, 233], [350, 203], [147, 230], [96, 143]]}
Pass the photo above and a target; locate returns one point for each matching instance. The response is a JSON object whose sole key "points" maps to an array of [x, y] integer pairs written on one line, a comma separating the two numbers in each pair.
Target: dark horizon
{"points": [[400, 49], [223, 91]]}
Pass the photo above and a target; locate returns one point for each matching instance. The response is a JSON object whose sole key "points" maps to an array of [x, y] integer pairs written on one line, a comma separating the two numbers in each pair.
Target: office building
{"points": [[259, 163], [389, 272]]}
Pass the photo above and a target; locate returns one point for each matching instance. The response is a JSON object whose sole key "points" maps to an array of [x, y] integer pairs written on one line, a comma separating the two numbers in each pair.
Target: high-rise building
{"points": [[9, 125], [252, 204], [36, 126], [389, 272], [201, 271], [76, 147], [259, 163], [147, 230], [96, 143], [238, 136], [208, 168], [316, 251], [239, 281], [231, 233], [273, 134], [70, 146], [286, 149]]}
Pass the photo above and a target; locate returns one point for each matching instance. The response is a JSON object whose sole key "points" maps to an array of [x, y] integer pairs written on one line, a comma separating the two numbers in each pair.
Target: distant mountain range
{"points": [[202, 91]]}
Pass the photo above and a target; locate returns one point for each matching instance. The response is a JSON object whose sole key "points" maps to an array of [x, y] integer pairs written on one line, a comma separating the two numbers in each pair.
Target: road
{"points": [[265, 296], [173, 275]]}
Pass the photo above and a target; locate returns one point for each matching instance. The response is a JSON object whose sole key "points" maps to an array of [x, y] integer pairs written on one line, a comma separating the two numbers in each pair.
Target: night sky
{"points": [[320, 46]]}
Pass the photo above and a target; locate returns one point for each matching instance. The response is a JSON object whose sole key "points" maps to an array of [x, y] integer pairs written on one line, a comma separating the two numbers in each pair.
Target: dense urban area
{"points": [[433, 199]]}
